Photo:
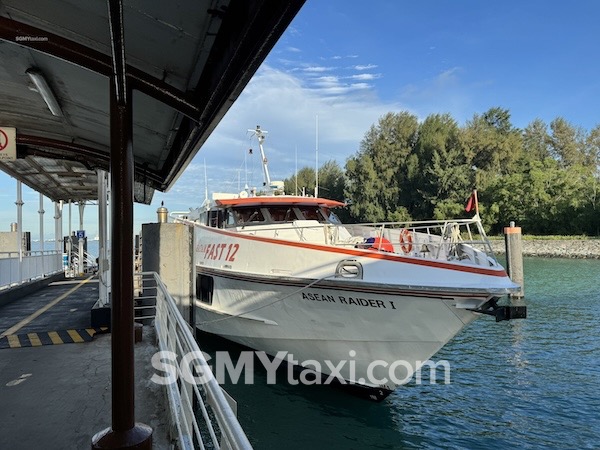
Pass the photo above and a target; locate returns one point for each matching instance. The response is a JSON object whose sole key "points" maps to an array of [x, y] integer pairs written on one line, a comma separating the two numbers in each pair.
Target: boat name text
{"points": [[318, 297], [222, 251]]}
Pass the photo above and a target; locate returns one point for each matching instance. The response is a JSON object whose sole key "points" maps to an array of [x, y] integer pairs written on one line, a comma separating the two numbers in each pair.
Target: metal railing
{"points": [[459, 240], [200, 413], [31, 266], [89, 263]]}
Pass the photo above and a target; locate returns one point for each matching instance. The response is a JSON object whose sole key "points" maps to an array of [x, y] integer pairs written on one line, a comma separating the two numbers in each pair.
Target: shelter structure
{"points": [[132, 88]]}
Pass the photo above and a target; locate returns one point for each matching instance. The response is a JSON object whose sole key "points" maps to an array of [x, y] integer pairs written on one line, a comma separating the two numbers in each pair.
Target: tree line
{"points": [[545, 177]]}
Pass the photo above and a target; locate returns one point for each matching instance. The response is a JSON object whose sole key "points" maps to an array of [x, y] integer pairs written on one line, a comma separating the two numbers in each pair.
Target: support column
{"points": [[124, 433], [69, 246], [19, 204], [80, 242], [41, 213], [58, 207], [102, 223]]}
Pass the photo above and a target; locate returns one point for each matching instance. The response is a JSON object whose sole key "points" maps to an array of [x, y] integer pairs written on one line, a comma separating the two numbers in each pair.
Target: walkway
{"points": [[59, 396]]}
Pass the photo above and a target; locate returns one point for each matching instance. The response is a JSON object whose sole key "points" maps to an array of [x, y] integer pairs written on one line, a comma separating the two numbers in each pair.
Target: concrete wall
{"points": [[167, 248], [554, 248], [8, 241]]}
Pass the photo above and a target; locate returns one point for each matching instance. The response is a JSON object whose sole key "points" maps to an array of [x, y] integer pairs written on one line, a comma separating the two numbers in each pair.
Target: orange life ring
{"points": [[406, 240]]}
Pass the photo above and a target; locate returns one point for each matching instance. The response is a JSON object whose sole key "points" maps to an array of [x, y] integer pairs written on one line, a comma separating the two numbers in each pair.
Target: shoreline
{"points": [[554, 248]]}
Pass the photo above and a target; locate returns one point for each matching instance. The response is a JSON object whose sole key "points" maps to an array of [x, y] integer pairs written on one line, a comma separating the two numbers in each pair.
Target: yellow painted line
{"points": [[13, 341], [75, 336], [42, 310], [34, 339], [55, 338], [91, 331]]}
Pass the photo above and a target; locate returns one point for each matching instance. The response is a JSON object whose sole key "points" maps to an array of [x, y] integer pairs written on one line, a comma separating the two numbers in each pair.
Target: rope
{"points": [[268, 304]]}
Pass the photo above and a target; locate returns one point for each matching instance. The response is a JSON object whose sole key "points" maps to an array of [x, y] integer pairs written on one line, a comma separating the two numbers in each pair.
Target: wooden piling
{"points": [[514, 257]]}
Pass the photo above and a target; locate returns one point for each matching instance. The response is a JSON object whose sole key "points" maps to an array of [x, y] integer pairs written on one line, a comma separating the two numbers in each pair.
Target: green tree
{"points": [[536, 141], [301, 182], [379, 169], [331, 181], [492, 144], [444, 177], [567, 143]]}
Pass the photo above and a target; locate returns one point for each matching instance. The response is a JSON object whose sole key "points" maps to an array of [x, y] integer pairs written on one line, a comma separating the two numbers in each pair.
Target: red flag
{"points": [[471, 203]]}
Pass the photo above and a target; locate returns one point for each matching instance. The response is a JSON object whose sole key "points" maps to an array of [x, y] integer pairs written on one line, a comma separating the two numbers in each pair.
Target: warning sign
{"points": [[8, 144]]}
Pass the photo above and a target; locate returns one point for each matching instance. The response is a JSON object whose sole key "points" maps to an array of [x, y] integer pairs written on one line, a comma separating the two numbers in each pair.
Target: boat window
{"points": [[203, 218], [213, 218], [333, 218], [312, 213], [229, 219], [249, 215], [282, 213], [204, 288]]}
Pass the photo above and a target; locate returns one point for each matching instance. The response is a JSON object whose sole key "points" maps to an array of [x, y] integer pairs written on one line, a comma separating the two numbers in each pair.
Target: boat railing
{"points": [[201, 413], [457, 239]]}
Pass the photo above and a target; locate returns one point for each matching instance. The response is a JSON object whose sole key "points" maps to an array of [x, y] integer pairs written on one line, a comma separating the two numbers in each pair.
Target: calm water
{"points": [[524, 384], [92, 246]]}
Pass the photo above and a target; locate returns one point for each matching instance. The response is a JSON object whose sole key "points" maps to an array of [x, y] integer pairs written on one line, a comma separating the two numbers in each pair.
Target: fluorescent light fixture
{"points": [[43, 88]]}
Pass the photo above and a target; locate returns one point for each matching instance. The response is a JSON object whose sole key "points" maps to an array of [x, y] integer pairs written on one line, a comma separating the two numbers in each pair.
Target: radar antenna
{"points": [[260, 135]]}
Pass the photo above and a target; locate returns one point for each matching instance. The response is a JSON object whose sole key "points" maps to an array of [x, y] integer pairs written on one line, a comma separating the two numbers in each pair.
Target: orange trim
{"points": [[512, 230], [365, 253], [278, 200]]}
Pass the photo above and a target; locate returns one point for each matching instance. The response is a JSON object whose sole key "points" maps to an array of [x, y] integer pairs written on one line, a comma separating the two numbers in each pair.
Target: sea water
{"points": [[527, 384]]}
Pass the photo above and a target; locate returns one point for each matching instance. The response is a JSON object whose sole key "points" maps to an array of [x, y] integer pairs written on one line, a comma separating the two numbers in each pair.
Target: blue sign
{"points": [[80, 234]]}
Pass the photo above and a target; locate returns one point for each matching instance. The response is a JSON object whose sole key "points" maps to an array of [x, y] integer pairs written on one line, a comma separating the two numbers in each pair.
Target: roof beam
{"points": [[89, 156], [59, 47]]}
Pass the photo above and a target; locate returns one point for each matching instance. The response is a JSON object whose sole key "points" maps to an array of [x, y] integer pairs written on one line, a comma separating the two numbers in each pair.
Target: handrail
{"points": [[174, 335], [89, 262], [31, 265], [449, 239]]}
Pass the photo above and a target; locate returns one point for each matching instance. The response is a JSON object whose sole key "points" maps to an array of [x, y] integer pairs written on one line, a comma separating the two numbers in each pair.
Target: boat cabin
{"points": [[279, 210]]}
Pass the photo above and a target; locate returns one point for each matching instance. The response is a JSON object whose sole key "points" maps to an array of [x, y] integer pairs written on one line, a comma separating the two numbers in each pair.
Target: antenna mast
{"points": [[260, 135], [317, 157]]}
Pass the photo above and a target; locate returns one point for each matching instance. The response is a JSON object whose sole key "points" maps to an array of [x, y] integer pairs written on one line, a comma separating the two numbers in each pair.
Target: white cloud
{"points": [[317, 69], [287, 107], [366, 76], [365, 67]]}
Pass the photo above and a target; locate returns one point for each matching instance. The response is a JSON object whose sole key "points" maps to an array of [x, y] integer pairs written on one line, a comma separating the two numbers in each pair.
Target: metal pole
{"points": [[122, 265], [41, 213], [102, 260], [58, 226], [80, 241], [19, 204], [125, 433]]}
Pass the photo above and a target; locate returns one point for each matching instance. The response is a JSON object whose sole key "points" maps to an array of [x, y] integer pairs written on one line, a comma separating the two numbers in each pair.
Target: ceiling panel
{"points": [[188, 60]]}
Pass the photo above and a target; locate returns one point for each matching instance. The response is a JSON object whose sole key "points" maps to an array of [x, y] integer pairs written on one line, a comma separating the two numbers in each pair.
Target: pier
{"points": [[104, 105], [56, 371]]}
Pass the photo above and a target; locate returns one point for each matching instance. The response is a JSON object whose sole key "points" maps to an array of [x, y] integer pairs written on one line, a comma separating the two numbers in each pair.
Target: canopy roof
{"points": [[187, 62]]}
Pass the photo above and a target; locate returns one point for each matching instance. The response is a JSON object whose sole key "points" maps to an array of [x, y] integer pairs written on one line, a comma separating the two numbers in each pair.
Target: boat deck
{"points": [[58, 396]]}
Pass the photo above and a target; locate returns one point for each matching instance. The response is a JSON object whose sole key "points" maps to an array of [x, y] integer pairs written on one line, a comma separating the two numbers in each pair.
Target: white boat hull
{"points": [[383, 336]]}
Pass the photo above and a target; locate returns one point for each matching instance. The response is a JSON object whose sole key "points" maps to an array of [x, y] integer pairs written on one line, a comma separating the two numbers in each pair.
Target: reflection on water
{"points": [[521, 384]]}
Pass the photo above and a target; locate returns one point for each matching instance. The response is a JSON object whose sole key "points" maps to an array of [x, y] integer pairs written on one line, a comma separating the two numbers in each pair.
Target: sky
{"points": [[343, 64]]}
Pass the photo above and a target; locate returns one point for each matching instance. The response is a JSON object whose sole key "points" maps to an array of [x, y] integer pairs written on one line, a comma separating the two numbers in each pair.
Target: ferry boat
{"points": [[363, 305]]}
